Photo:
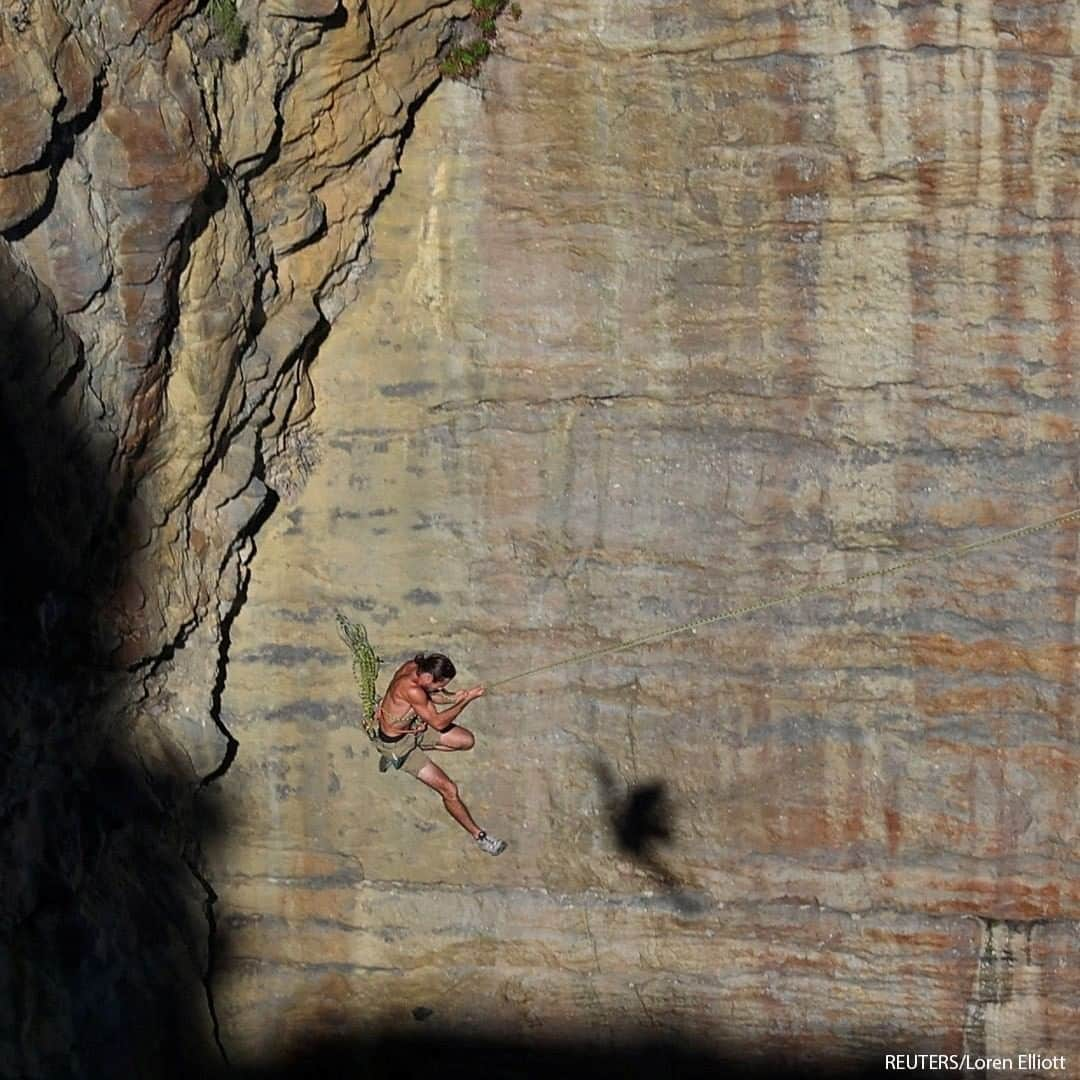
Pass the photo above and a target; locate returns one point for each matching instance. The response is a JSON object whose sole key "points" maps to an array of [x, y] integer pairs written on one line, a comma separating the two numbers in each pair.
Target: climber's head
{"points": [[433, 670]]}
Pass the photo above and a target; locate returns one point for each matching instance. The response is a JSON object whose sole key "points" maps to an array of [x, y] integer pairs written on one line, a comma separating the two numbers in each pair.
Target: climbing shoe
{"points": [[490, 844], [388, 761]]}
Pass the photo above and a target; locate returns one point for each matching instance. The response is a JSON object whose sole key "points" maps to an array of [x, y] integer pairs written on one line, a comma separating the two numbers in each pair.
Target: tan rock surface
{"points": [[679, 305], [684, 309]]}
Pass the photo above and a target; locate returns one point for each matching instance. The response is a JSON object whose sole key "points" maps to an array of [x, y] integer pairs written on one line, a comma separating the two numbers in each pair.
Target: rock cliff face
{"points": [[679, 305], [686, 306], [178, 232]]}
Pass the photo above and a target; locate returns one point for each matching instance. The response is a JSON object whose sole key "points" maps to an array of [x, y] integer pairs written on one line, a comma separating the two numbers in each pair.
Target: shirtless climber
{"points": [[409, 724]]}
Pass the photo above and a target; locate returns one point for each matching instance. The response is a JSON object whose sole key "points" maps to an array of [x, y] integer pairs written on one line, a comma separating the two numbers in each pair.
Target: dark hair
{"points": [[436, 665]]}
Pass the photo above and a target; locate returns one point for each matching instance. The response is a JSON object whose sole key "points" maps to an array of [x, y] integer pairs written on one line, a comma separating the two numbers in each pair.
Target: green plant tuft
{"points": [[229, 29], [464, 60]]}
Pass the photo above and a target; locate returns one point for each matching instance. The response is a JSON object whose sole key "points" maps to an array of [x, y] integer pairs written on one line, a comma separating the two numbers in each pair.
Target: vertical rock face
{"points": [[691, 305], [682, 305], [177, 231]]}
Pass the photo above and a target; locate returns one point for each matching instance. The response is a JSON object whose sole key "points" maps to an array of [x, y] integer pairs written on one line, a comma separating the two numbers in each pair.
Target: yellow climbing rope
{"points": [[797, 594]]}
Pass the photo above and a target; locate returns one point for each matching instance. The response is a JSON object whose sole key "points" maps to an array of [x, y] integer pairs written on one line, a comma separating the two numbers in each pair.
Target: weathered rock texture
{"points": [[178, 232], [684, 305]]}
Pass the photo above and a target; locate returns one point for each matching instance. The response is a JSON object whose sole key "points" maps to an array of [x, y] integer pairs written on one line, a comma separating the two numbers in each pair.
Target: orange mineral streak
{"points": [[976, 512], [991, 656], [978, 701]]}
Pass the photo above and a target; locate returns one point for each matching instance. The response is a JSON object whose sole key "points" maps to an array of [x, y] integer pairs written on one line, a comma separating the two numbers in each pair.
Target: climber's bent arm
{"points": [[431, 716]]}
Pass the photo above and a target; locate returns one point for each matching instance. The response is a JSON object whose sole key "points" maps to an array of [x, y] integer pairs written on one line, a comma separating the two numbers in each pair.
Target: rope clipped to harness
{"points": [[365, 665]]}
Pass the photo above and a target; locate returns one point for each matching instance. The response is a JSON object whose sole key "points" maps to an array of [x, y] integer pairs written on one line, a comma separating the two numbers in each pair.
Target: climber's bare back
{"points": [[398, 711]]}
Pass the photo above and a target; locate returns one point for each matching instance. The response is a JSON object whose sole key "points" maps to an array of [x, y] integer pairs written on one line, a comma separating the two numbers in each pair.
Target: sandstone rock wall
{"points": [[679, 304], [684, 305]]}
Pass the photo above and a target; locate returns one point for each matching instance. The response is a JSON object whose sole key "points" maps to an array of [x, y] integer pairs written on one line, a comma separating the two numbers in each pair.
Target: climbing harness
{"points": [[796, 594]]}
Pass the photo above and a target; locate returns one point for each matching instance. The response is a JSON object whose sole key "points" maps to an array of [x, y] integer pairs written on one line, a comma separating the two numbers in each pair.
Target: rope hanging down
{"points": [[797, 594], [365, 665]]}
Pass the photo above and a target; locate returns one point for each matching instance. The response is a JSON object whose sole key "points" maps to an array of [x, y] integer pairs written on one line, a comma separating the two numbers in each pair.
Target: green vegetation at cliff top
{"points": [[464, 60]]}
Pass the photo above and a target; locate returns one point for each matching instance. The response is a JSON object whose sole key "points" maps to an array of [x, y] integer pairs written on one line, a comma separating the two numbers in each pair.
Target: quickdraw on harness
{"points": [[365, 664]]}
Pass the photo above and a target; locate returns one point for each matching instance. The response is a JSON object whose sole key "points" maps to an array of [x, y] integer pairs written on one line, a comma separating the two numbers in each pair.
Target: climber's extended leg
{"points": [[435, 778]]}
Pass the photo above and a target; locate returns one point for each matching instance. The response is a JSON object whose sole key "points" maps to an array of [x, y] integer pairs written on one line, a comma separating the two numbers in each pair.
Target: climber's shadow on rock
{"points": [[642, 823], [640, 817]]}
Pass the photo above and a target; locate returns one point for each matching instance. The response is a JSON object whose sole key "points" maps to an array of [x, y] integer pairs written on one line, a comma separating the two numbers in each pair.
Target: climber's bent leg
{"points": [[452, 738]]}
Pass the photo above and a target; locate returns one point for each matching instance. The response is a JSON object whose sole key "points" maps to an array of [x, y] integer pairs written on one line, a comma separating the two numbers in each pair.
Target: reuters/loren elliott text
{"points": [[1030, 1062]]}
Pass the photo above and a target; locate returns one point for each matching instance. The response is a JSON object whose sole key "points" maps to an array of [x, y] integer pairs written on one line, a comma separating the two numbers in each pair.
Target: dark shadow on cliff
{"points": [[425, 1053], [599, 1046], [102, 935]]}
